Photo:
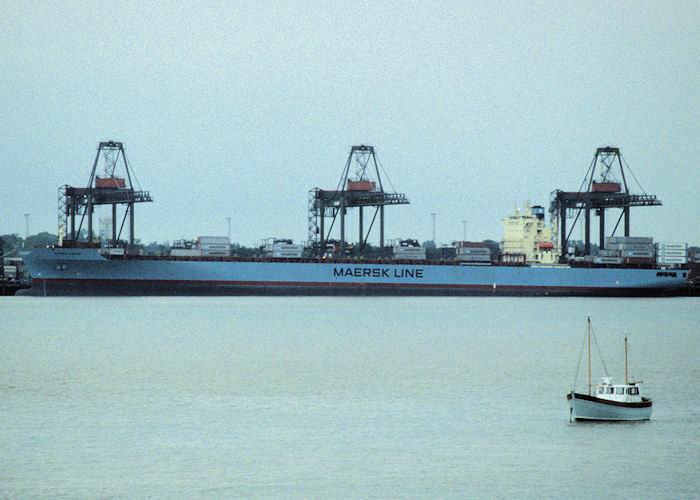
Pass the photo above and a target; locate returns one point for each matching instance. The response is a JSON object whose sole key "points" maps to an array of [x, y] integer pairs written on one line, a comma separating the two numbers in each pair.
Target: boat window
{"points": [[608, 390], [633, 391], [619, 390], [600, 390]]}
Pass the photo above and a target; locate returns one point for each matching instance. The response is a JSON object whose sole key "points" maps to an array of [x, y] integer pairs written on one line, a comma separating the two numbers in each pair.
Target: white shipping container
{"points": [[416, 253], [473, 258], [607, 260], [638, 255], [112, 251], [644, 247], [614, 240], [473, 251], [669, 246], [676, 253], [185, 252], [672, 260], [279, 247], [632, 253], [283, 254], [635, 246], [409, 250]]}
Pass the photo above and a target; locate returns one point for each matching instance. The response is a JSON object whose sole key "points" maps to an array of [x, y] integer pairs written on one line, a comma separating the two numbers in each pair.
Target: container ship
{"points": [[75, 271], [534, 259]]}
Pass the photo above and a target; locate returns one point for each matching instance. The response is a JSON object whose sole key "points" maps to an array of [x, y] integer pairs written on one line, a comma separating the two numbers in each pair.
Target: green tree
{"points": [[10, 242], [494, 247], [41, 240], [156, 248]]}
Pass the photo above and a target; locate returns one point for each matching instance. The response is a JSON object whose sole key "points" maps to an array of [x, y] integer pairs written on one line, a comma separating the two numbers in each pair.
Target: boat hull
{"points": [[60, 271], [585, 407]]}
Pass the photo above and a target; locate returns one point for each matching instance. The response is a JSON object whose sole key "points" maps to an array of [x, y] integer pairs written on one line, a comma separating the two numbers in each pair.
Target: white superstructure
{"points": [[527, 234]]}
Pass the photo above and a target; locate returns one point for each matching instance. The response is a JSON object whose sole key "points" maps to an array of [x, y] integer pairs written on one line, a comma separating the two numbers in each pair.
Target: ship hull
{"points": [[584, 407], [58, 271]]}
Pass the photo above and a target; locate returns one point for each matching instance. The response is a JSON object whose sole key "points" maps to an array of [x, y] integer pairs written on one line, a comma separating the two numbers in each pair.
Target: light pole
{"points": [[228, 219], [26, 230]]}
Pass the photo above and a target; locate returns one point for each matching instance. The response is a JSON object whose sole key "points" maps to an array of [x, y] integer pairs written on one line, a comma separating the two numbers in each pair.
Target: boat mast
{"points": [[589, 355], [626, 382]]}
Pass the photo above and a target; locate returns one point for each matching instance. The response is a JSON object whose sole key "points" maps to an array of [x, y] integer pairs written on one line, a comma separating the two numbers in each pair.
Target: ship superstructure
{"points": [[527, 234]]}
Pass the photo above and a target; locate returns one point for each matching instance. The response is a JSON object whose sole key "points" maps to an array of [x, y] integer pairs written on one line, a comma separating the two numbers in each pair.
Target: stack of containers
{"points": [[283, 250], [632, 249], [671, 254], [469, 251], [218, 246], [409, 252]]}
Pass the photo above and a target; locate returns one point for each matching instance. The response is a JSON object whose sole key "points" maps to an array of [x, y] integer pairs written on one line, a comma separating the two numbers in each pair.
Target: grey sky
{"points": [[236, 110]]}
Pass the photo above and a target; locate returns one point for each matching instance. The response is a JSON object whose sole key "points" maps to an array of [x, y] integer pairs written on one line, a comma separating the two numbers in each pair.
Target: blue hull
{"points": [[63, 271]]}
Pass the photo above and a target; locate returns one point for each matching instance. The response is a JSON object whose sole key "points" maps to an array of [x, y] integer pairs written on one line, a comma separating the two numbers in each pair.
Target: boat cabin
{"points": [[623, 393]]}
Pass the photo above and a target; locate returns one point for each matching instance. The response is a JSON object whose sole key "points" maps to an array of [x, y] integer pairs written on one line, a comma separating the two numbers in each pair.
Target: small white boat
{"points": [[608, 401]]}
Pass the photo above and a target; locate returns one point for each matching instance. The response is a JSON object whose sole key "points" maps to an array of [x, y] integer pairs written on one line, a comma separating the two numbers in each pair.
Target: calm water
{"points": [[339, 397]]}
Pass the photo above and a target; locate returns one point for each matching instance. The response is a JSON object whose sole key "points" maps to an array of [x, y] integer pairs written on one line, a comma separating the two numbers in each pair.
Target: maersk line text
{"points": [[368, 272]]}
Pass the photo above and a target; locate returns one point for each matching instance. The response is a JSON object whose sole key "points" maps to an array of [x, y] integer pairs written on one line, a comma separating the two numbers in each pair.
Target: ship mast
{"points": [[626, 382], [589, 355]]}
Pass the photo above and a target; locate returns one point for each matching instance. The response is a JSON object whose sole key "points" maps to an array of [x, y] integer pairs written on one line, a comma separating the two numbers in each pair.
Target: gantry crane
{"points": [[116, 187], [352, 191], [609, 191]]}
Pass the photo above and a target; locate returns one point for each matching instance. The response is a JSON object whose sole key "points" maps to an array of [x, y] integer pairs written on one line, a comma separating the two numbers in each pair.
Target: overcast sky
{"points": [[237, 110]]}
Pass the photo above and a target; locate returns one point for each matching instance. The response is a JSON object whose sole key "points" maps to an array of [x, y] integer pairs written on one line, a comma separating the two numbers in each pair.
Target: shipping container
{"points": [[216, 253], [417, 253], [284, 254], [185, 252], [606, 187], [362, 186], [638, 260], [473, 251], [112, 251], [279, 247], [110, 182], [637, 253], [674, 253], [606, 260], [470, 244], [672, 245], [672, 260], [628, 239], [631, 247], [10, 272], [473, 258], [213, 240]]}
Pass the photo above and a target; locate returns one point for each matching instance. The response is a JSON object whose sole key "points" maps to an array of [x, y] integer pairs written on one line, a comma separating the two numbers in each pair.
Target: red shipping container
{"points": [[606, 187], [362, 186], [110, 182]]}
